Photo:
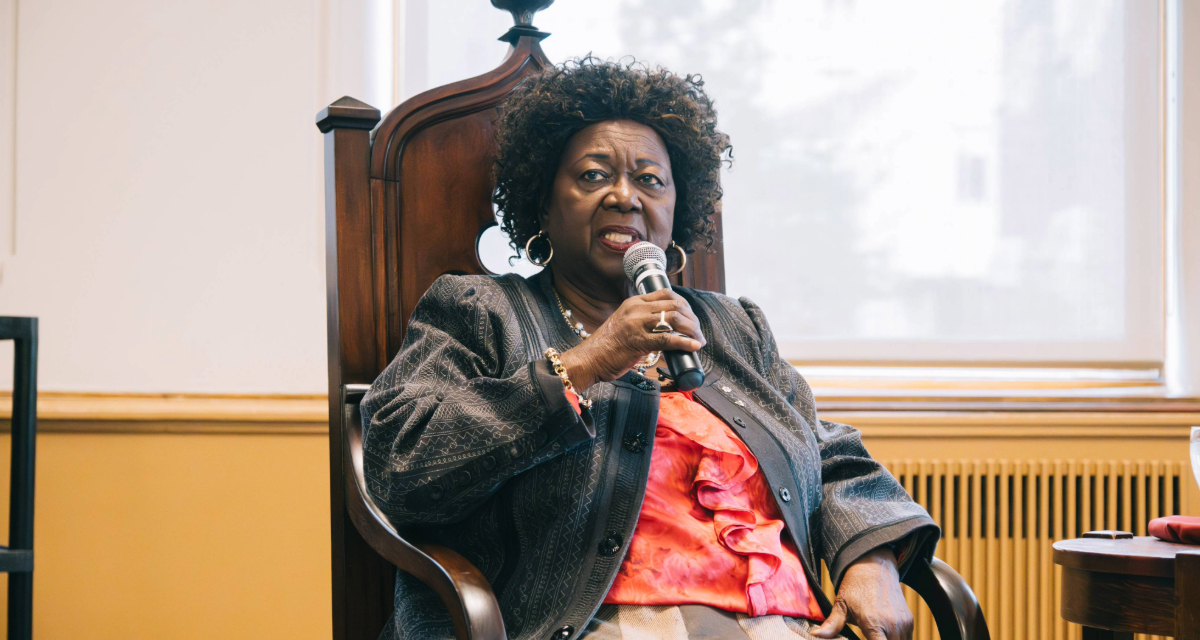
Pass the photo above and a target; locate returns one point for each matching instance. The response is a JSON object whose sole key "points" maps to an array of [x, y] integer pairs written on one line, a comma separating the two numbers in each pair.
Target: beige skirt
{"points": [[691, 622]]}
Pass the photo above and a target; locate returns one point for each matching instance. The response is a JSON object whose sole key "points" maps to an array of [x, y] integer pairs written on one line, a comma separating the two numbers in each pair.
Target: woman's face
{"points": [[613, 189]]}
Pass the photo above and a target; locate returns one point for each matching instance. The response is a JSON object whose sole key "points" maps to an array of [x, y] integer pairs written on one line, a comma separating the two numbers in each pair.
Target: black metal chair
{"points": [[17, 558]]}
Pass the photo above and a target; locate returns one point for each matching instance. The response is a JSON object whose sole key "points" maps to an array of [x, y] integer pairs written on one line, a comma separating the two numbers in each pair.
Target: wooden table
{"points": [[1115, 585]]}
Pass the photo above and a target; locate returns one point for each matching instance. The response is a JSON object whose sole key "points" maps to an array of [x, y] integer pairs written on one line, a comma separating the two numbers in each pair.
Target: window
{"points": [[916, 182]]}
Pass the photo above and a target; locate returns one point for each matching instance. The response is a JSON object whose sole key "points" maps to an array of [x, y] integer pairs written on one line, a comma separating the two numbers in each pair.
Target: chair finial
{"points": [[522, 10]]}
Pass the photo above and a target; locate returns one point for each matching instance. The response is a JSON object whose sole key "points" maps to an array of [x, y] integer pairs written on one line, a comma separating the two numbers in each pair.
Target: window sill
{"points": [[984, 390]]}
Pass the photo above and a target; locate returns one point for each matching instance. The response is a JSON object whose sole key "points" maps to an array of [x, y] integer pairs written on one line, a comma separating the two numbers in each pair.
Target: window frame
{"points": [[1163, 361]]}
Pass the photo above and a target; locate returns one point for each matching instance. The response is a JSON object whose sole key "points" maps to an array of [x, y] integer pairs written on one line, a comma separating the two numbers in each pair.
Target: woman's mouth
{"points": [[619, 238]]}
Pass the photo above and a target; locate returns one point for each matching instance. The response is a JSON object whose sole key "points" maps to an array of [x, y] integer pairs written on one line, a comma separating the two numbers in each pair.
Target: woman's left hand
{"points": [[870, 597]]}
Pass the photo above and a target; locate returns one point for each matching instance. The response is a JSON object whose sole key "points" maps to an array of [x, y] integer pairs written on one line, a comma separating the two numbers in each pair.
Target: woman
{"points": [[526, 423]]}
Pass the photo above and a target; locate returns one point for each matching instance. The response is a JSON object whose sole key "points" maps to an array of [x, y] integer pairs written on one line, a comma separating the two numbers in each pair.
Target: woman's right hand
{"points": [[625, 338]]}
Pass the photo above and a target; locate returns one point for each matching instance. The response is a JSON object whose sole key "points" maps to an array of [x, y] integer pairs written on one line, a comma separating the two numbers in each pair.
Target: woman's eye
{"points": [[593, 175]]}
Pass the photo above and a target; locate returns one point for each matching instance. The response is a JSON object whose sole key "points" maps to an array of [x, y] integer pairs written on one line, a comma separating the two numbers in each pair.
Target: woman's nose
{"points": [[622, 197]]}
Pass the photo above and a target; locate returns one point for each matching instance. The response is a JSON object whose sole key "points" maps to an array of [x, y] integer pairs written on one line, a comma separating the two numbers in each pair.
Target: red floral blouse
{"points": [[710, 531]]}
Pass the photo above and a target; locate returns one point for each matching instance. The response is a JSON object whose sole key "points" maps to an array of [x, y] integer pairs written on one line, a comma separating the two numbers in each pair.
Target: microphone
{"points": [[646, 266]]}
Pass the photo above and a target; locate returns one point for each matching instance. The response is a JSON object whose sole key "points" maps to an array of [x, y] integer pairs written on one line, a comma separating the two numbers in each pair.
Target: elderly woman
{"points": [[528, 424]]}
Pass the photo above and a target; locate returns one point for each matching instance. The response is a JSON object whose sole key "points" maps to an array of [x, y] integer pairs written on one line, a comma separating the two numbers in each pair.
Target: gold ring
{"points": [[663, 326]]}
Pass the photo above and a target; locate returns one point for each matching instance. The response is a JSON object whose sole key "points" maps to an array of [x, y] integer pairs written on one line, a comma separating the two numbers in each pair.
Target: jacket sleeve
{"points": [[461, 409], [863, 506]]}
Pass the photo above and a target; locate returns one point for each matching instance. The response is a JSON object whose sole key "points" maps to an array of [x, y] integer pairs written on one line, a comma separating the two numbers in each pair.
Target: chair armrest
{"points": [[473, 606], [950, 599], [461, 586]]}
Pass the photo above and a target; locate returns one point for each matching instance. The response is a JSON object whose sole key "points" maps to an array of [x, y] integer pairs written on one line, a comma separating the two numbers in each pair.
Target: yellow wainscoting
{"points": [[206, 522], [166, 517]]}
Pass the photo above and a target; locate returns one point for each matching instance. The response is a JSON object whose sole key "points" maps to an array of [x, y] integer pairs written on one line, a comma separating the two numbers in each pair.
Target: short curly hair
{"points": [[546, 109]]}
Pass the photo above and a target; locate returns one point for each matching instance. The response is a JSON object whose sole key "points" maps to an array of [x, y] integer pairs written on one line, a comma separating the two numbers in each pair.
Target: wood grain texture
{"points": [[1187, 593], [409, 204], [350, 323], [178, 427], [1092, 633], [1136, 604], [431, 164], [1141, 555], [889, 433], [145, 407], [1134, 585], [306, 409]]}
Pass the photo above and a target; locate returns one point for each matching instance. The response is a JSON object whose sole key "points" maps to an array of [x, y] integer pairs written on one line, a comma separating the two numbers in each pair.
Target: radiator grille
{"points": [[999, 518]]}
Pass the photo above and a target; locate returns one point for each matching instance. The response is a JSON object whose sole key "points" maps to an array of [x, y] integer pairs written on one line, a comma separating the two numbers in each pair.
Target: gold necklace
{"points": [[577, 327]]}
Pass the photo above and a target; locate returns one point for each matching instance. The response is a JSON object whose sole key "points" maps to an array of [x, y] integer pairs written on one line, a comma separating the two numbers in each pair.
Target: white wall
{"points": [[168, 180]]}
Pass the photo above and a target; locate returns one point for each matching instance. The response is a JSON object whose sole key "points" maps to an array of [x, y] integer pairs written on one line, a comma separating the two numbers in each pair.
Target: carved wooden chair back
{"points": [[406, 201]]}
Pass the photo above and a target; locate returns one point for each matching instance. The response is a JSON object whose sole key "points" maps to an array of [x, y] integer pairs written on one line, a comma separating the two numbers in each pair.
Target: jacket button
{"points": [[610, 545], [785, 494], [436, 493], [488, 463], [563, 633], [461, 477], [739, 422], [515, 450]]}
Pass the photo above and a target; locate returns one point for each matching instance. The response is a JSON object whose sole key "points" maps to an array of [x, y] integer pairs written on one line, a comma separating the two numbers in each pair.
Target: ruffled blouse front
{"points": [[710, 531]]}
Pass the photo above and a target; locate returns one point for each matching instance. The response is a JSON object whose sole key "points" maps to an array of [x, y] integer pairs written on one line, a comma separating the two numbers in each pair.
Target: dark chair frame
{"points": [[475, 611], [17, 558], [406, 200]]}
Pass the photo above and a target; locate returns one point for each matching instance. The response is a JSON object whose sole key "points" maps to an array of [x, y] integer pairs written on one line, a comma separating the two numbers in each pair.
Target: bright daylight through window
{"points": [[929, 180]]}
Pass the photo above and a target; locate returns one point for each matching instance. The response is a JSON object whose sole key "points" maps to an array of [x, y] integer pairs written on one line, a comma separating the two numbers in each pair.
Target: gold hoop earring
{"points": [[682, 258], [540, 234]]}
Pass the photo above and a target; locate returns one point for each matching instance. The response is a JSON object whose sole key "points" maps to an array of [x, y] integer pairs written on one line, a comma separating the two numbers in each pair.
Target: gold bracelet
{"points": [[555, 359]]}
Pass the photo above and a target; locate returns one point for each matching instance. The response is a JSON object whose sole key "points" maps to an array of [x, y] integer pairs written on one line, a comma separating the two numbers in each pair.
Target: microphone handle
{"points": [[684, 365]]}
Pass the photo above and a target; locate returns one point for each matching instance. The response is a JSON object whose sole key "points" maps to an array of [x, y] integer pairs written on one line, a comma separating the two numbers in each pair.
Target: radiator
{"points": [[999, 518]]}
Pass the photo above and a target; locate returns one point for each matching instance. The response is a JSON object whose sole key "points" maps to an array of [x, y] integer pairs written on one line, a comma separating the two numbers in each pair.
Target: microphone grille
{"points": [[640, 253]]}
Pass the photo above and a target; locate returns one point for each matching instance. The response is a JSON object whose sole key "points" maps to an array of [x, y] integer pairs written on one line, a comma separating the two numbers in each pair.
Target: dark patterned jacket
{"points": [[470, 441]]}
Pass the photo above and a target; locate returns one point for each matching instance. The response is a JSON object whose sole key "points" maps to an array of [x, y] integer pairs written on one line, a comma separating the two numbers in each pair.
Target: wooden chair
{"points": [[406, 202]]}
